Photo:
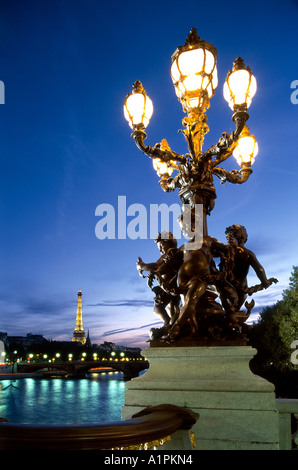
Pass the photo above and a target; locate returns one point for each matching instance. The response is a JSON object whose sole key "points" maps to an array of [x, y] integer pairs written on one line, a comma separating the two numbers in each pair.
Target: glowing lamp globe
{"points": [[138, 107], [194, 72], [246, 150], [162, 168], [240, 85]]}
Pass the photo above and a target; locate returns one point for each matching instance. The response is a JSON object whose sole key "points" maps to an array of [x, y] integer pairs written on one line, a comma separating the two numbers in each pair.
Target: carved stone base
{"points": [[187, 341], [237, 408], [212, 329]]}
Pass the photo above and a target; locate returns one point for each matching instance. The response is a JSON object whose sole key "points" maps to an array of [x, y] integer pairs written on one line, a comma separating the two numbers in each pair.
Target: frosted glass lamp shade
{"points": [[138, 107], [194, 72], [246, 150], [240, 86]]}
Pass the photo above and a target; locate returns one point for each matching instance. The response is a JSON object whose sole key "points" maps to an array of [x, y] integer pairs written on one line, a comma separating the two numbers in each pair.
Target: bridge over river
{"points": [[130, 368]]}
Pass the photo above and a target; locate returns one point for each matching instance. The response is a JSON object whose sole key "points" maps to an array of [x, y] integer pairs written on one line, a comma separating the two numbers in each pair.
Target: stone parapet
{"points": [[237, 408]]}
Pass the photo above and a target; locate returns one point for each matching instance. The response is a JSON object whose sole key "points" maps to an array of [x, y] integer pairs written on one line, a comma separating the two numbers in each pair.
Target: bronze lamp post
{"points": [[195, 279]]}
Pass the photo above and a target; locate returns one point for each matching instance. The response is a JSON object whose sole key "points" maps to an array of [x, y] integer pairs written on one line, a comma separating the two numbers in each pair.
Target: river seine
{"points": [[96, 398]]}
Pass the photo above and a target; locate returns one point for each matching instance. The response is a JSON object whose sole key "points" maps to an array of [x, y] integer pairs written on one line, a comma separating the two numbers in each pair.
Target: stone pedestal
{"points": [[237, 408]]}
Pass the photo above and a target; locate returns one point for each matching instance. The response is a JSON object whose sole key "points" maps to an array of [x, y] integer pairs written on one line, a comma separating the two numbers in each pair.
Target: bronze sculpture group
{"points": [[189, 281]]}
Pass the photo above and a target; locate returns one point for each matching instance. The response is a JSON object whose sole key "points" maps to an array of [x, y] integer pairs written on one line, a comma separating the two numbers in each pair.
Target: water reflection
{"points": [[97, 398]]}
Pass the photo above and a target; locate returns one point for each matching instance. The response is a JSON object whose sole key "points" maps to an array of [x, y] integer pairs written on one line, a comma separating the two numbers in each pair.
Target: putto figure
{"points": [[243, 259], [164, 271]]}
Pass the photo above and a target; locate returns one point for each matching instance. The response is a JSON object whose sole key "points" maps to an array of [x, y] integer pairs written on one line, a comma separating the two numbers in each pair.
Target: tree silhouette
{"points": [[272, 335]]}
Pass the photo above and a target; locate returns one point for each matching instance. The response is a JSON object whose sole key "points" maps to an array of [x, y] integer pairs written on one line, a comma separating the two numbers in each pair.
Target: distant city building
{"points": [[79, 333], [3, 337], [88, 341], [107, 346], [24, 341]]}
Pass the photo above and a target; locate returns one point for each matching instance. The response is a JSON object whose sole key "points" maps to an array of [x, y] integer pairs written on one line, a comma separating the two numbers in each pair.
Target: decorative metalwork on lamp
{"points": [[194, 75]]}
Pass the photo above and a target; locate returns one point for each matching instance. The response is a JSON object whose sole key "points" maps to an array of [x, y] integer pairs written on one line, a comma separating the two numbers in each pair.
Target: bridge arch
{"points": [[129, 369]]}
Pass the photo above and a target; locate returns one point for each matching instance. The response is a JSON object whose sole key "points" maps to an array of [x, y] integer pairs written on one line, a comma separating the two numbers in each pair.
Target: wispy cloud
{"points": [[123, 303], [125, 330]]}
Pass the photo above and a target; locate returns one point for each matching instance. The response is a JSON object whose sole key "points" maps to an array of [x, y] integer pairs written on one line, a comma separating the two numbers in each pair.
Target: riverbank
{"points": [[50, 373], [26, 375]]}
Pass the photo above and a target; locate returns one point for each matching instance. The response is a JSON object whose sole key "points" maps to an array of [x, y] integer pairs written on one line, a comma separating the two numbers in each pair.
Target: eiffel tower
{"points": [[79, 333]]}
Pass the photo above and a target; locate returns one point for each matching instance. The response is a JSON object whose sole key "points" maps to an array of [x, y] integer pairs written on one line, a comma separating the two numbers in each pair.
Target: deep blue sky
{"points": [[65, 148]]}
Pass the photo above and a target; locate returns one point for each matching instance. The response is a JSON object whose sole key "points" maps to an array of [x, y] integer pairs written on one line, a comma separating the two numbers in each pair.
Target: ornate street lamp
{"points": [[194, 275], [194, 75]]}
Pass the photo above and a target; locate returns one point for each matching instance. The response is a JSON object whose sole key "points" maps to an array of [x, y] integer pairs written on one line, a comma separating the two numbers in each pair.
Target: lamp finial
{"points": [[193, 38]]}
